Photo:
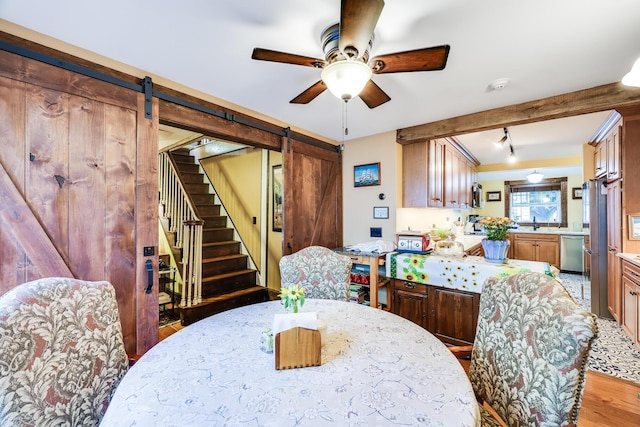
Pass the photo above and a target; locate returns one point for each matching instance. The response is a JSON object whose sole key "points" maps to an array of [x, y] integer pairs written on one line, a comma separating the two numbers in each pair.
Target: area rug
{"points": [[613, 352]]}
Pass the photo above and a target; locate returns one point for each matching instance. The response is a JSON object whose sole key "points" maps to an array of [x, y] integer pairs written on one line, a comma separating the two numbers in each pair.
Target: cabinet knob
{"points": [[633, 293], [409, 285]]}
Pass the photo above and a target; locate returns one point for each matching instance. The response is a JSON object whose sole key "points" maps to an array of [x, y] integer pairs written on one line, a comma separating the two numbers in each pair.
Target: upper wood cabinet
{"points": [[600, 159], [436, 174], [613, 153], [607, 154]]}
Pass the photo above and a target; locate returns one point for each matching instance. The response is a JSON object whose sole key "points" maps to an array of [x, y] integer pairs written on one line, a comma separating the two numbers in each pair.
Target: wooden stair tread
{"points": [[225, 275], [229, 295], [224, 258], [222, 243]]}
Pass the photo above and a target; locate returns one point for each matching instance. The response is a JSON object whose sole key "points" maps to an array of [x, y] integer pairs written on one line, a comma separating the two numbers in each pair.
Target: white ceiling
{"points": [[543, 48]]}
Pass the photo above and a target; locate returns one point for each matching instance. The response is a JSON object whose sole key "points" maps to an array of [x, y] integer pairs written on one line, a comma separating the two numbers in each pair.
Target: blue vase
{"points": [[495, 250]]}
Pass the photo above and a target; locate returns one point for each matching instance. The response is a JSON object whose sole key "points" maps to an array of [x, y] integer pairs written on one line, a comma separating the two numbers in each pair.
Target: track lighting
{"points": [[503, 139], [507, 138]]}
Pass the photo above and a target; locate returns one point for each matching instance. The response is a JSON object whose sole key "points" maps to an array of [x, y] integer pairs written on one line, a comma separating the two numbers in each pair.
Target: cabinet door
{"points": [[600, 159], [613, 154], [454, 315], [548, 251], [436, 173], [630, 307], [524, 249], [412, 306], [451, 177], [614, 285]]}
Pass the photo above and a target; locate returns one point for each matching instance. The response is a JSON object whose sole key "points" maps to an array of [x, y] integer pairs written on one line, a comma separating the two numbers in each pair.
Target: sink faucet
{"points": [[535, 224]]}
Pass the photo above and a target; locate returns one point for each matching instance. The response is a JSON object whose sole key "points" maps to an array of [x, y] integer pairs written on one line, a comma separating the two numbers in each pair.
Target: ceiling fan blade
{"points": [[310, 93], [286, 58], [358, 19], [427, 59], [373, 96]]}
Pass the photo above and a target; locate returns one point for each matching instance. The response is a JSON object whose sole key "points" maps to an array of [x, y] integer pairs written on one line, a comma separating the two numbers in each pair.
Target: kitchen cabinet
{"points": [[607, 154], [630, 300], [614, 246], [454, 315], [436, 174], [449, 314], [613, 153], [411, 301], [600, 159], [536, 247]]}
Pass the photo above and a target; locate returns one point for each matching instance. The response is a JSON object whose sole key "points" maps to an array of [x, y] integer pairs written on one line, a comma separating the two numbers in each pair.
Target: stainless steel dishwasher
{"points": [[571, 258]]}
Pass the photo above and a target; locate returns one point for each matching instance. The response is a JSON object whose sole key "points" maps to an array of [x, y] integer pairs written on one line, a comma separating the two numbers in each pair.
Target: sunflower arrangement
{"points": [[290, 296], [497, 228]]}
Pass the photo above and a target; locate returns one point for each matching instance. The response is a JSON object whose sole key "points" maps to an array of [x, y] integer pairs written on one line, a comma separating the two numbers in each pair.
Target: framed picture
{"points": [[634, 227], [576, 193], [276, 175], [494, 196], [366, 175], [381, 212]]}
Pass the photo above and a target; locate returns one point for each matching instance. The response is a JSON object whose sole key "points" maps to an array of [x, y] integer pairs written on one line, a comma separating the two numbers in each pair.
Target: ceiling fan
{"points": [[346, 47]]}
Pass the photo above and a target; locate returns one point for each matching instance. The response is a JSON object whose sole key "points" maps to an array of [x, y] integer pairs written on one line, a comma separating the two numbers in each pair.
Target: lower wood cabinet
{"points": [[536, 247], [449, 314], [630, 300]]}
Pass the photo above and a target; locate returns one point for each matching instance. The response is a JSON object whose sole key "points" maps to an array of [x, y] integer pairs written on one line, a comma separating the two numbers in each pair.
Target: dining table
{"points": [[377, 369]]}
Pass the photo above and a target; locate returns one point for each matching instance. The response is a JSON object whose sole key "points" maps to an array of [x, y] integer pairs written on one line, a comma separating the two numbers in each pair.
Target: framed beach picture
{"points": [[277, 197], [366, 175], [634, 227]]}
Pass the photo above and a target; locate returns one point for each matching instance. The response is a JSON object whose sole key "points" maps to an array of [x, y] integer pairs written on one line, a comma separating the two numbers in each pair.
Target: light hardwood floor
{"points": [[607, 401]]}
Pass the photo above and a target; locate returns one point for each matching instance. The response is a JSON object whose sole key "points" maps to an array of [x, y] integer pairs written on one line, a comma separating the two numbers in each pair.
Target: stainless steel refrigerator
{"points": [[594, 218]]}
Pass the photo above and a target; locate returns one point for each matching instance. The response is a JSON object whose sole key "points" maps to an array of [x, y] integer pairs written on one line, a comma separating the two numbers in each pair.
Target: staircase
{"points": [[227, 282]]}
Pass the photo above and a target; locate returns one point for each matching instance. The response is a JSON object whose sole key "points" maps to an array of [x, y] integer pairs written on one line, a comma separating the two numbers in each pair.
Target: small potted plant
{"points": [[496, 244], [291, 296]]}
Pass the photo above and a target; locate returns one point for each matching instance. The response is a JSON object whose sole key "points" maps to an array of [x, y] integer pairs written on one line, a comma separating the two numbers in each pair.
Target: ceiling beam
{"points": [[600, 98]]}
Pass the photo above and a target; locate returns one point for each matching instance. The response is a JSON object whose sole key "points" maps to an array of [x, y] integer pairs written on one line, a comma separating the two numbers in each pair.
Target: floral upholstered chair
{"points": [[529, 356], [322, 272], [61, 352]]}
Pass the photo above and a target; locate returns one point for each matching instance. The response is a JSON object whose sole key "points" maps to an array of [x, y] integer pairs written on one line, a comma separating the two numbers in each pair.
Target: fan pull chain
{"points": [[345, 118]]}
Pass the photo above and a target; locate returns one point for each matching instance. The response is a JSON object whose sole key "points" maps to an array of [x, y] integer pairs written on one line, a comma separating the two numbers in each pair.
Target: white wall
{"points": [[358, 203]]}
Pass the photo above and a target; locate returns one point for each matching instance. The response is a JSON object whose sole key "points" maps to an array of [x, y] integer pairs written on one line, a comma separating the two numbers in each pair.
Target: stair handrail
{"points": [[179, 208]]}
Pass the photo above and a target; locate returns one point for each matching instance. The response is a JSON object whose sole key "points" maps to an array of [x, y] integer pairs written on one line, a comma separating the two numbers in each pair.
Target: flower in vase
{"points": [[496, 228], [291, 295]]}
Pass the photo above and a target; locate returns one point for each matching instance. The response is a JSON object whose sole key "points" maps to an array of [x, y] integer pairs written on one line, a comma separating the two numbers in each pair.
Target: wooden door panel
{"points": [[82, 158], [87, 176], [412, 307], [312, 197]]}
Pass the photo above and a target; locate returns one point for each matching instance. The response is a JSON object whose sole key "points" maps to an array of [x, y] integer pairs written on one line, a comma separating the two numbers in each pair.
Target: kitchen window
{"points": [[546, 201]]}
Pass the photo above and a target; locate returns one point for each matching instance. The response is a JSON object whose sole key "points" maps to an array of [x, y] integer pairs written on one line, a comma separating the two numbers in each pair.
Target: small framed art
{"points": [[576, 193], [494, 196]]}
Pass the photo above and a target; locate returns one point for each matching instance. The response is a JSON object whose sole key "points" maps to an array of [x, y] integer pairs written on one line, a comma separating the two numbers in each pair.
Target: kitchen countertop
{"points": [[632, 258], [543, 230], [464, 273]]}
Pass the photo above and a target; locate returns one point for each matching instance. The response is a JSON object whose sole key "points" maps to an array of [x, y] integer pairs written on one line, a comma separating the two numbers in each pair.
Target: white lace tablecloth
{"points": [[378, 369]]}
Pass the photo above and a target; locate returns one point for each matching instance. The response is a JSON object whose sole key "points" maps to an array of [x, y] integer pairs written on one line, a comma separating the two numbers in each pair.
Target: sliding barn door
{"points": [[312, 196], [79, 186]]}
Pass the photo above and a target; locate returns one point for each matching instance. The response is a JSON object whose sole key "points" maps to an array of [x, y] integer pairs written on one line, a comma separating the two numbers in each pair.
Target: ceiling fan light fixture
{"points": [[632, 78], [346, 79], [535, 177]]}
